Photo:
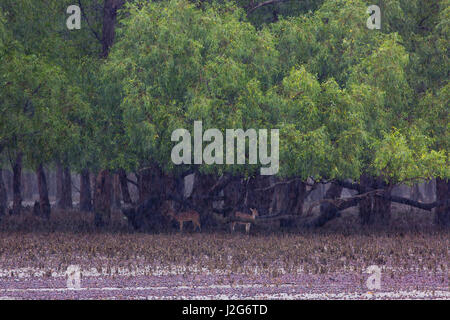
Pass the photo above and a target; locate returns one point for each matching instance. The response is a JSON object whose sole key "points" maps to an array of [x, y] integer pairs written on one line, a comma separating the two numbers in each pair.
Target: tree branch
{"points": [[417, 204], [75, 187], [351, 185], [279, 184], [341, 204], [262, 4], [87, 21], [222, 183], [187, 172], [132, 182]]}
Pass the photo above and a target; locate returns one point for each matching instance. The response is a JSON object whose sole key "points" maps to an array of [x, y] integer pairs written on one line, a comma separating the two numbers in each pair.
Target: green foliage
{"points": [[347, 100], [321, 123], [434, 117], [39, 107], [43, 103], [173, 64], [408, 159], [3, 34]]}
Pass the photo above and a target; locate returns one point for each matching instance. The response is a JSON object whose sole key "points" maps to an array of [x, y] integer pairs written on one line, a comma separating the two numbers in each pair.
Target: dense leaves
{"points": [[348, 100]]}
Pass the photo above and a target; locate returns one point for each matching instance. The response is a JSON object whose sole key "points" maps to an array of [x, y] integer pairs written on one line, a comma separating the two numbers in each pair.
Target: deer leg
{"points": [[181, 226], [247, 227]]}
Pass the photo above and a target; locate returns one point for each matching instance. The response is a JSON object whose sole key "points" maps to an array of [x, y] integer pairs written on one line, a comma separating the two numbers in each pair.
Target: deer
{"points": [[247, 216], [185, 216]]}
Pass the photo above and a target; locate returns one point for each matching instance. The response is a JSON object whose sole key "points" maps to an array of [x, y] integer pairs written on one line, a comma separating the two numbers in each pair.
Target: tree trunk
{"points": [[442, 194], [109, 22], [288, 199], [3, 196], [382, 206], [51, 182], [44, 203], [145, 179], [374, 209], [365, 205], [27, 186], [416, 195], [202, 185], [154, 183], [67, 189], [297, 195], [233, 195], [261, 200], [8, 179], [154, 188], [102, 198], [429, 191], [327, 211], [59, 186], [85, 191], [124, 187], [117, 198], [17, 185]]}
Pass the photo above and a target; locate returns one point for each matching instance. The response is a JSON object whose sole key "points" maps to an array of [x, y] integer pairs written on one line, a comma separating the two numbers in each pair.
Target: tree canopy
{"points": [[348, 101]]}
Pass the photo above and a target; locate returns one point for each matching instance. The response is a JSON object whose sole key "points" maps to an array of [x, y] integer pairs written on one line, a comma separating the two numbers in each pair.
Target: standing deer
{"points": [[185, 216], [247, 216]]}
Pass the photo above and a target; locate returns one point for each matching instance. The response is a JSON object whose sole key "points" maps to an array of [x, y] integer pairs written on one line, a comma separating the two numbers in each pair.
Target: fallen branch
{"points": [[417, 204], [257, 221], [344, 203]]}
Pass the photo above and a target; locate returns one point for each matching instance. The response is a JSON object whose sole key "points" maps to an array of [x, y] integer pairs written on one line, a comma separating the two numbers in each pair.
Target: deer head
{"points": [[254, 212]]}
